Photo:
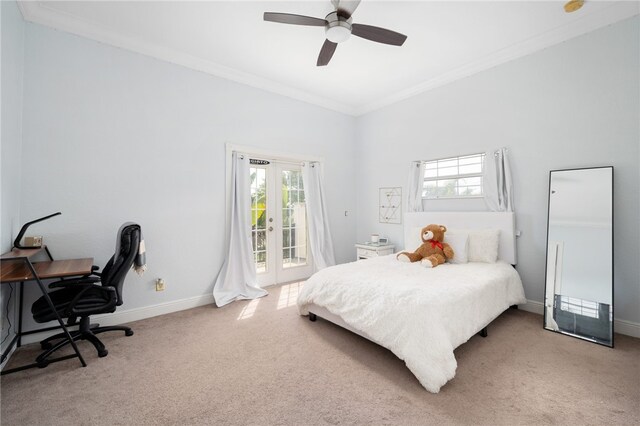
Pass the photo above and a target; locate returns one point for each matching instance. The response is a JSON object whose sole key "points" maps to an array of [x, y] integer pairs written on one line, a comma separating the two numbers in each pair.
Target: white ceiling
{"points": [[447, 40]]}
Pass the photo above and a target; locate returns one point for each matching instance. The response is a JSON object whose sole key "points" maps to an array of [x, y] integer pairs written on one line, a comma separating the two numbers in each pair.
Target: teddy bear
{"points": [[433, 251]]}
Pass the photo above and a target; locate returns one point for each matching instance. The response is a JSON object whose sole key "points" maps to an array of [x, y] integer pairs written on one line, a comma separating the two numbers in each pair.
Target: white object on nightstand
{"points": [[368, 250]]}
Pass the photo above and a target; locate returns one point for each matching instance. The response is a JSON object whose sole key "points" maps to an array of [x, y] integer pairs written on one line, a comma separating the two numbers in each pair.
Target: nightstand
{"points": [[369, 250]]}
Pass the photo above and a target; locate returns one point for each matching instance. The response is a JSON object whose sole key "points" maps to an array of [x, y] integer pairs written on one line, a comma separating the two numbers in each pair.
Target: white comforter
{"points": [[420, 314]]}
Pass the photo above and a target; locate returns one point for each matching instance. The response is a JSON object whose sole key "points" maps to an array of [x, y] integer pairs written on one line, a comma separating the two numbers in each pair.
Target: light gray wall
{"points": [[572, 105], [12, 33], [111, 136]]}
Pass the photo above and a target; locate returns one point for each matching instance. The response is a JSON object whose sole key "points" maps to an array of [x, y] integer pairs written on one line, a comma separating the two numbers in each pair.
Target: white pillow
{"points": [[414, 240], [484, 245], [459, 242]]}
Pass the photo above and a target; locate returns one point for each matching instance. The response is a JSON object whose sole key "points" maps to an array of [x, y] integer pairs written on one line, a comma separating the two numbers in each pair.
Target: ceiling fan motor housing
{"points": [[338, 28]]}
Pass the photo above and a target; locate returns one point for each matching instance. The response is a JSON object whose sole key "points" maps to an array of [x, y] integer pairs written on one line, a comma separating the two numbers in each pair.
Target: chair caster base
{"points": [[312, 317], [128, 333], [43, 364], [103, 353]]}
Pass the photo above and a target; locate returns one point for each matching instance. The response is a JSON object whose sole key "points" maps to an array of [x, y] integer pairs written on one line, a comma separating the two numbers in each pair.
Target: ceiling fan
{"points": [[338, 27]]}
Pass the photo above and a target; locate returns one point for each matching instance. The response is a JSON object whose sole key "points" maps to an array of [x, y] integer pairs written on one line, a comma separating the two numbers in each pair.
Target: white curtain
{"points": [[415, 186], [237, 278], [498, 187], [320, 240]]}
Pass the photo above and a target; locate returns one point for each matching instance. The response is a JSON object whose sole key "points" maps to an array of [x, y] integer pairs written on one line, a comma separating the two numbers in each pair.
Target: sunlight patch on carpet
{"points": [[249, 310], [289, 295]]}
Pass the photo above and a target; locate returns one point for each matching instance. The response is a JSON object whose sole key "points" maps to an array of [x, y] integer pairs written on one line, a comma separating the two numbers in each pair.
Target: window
{"points": [[455, 177]]}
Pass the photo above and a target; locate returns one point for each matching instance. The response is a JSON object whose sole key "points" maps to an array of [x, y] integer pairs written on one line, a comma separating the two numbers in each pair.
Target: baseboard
{"points": [[625, 327], [135, 314], [533, 306], [628, 328]]}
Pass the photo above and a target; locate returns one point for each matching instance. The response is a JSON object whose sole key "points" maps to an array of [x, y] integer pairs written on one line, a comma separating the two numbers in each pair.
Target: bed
{"points": [[420, 314]]}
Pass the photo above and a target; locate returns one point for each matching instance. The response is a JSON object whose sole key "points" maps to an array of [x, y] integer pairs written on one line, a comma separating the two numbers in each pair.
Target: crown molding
{"points": [[34, 11], [612, 14], [22, 6]]}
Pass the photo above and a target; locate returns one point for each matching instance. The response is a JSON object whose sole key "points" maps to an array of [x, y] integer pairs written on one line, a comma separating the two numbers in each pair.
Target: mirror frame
{"points": [[546, 263]]}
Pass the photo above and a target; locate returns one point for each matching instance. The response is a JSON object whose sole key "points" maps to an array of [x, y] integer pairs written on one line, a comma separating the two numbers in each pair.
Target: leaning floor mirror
{"points": [[579, 272]]}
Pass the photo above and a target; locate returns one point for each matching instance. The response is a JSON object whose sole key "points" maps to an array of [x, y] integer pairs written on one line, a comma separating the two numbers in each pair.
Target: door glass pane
{"points": [[259, 217], [286, 240], [294, 220], [286, 217]]}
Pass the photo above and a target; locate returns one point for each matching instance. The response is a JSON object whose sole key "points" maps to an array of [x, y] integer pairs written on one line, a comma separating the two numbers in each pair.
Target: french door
{"points": [[279, 224]]}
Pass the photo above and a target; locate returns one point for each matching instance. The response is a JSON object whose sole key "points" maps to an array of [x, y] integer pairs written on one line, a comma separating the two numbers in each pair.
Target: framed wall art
{"points": [[390, 205]]}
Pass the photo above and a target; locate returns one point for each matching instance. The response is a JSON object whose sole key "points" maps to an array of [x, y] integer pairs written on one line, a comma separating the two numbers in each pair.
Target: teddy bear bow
{"points": [[435, 244]]}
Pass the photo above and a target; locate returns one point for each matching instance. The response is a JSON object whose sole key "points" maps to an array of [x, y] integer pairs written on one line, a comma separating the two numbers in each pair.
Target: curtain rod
{"points": [[258, 160], [263, 161], [495, 153]]}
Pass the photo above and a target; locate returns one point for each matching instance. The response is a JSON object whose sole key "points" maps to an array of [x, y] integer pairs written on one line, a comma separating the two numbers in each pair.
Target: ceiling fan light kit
{"points": [[338, 28]]}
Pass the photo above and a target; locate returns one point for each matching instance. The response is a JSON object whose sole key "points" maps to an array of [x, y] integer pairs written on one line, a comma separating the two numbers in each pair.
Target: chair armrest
{"points": [[109, 291], [94, 271], [90, 277], [75, 282]]}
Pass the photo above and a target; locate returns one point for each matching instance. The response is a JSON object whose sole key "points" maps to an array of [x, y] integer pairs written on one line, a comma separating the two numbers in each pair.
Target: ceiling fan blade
{"points": [[326, 53], [346, 8], [380, 35], [288, 18]]}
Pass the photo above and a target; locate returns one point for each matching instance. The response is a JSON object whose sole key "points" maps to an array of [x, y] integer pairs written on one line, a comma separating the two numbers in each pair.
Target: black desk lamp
{"points": [[24, 228]]}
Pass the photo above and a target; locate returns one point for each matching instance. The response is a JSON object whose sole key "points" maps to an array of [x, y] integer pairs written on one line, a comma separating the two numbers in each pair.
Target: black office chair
{"points": [[94, 294]]}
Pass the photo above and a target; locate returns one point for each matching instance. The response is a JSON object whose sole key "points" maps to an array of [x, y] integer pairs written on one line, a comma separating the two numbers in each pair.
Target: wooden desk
{"points": [[16, 266], [18, 271]]}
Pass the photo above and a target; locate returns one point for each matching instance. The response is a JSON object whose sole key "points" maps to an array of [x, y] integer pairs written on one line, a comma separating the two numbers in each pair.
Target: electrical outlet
{"points": [[159, 284]]}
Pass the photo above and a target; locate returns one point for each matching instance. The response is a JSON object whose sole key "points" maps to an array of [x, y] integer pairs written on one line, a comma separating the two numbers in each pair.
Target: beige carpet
{"points": [[260, 363]]}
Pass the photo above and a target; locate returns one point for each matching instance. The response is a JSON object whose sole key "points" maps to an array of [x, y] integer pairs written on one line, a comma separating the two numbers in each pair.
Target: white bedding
{"points": [[420, 314]]}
